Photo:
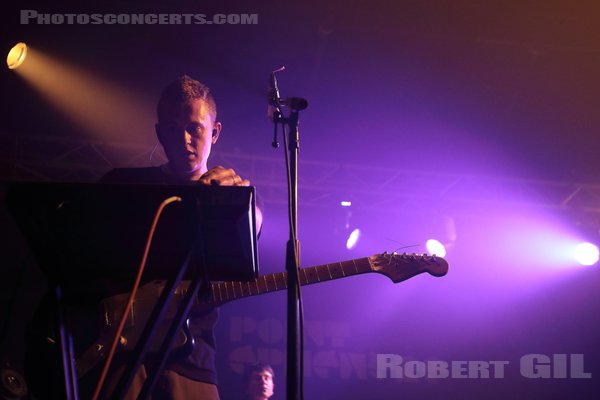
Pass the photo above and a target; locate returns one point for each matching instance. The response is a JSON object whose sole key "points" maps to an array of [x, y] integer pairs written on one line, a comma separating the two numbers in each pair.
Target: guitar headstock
{"points": [[400, 267]]}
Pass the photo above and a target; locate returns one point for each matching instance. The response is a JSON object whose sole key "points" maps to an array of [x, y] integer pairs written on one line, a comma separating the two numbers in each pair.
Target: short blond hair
{"points": [[184, 89]]}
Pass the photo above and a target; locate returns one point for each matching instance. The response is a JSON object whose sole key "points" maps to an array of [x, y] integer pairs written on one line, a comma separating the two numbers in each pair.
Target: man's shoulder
{"points": [[134, 175]]}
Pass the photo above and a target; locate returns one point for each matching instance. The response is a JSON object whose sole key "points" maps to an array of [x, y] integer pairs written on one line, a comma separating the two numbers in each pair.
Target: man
{"points": [[258, 382], [187, 129]]}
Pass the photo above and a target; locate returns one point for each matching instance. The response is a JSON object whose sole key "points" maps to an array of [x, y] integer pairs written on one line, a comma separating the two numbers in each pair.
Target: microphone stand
{"points": [[292, 259]]}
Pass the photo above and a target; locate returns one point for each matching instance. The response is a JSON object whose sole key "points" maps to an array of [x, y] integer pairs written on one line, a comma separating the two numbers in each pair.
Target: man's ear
{"points": [[216, 132]]}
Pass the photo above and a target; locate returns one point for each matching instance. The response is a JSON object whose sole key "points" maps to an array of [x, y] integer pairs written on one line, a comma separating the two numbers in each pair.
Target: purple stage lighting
{"points": [[435, 247], [586, 254]]}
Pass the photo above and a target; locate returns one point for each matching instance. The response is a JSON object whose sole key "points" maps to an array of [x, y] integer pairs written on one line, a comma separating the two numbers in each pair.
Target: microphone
{"points": [[275, 102], [273, 95]]}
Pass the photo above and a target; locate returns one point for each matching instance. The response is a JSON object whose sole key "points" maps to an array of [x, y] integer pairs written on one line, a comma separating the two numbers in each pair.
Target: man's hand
{"points": [[220, 176]]}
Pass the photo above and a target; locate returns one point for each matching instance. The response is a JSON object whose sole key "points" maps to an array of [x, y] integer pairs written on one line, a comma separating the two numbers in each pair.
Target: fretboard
{"points": [[232, 290]]}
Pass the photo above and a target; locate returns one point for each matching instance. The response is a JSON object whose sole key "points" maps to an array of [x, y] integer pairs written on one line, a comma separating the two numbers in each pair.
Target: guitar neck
{"points": [[227, 291]]}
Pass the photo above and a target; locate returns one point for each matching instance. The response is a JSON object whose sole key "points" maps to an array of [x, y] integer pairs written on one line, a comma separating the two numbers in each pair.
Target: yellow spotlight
{"points": [[16, 55]]}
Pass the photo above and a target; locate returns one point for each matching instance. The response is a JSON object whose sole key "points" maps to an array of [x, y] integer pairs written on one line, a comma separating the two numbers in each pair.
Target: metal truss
{"points": [[53, 158]]}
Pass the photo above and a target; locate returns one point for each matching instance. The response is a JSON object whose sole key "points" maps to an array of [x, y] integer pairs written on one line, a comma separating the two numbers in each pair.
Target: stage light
{"points": [[435, 247], [16, 55], [438, 235], [345, 203], [586, 254], [353, 239]]}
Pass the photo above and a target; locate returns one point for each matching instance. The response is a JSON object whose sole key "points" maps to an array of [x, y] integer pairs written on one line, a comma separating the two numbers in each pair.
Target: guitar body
{"points": [[110, 312]]}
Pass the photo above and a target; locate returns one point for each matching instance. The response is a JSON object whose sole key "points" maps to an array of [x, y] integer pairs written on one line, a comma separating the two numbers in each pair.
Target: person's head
{"points": [[187, 126], [258, 381]]}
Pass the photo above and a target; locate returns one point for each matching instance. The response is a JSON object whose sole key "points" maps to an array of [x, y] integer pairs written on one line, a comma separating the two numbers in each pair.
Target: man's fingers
{"points": [[220, 176], [232, 180]]}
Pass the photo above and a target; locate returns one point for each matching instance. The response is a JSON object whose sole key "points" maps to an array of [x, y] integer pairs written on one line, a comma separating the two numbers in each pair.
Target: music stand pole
{"points": [[199, 286], [66, 347], [148, 335]]}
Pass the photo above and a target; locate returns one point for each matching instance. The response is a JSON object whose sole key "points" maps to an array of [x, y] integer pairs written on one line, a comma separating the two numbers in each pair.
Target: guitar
{"points": [[397, 267]]}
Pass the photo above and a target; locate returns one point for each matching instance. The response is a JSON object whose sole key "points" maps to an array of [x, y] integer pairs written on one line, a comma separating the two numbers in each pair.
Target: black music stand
{"points": [[89, 239]]}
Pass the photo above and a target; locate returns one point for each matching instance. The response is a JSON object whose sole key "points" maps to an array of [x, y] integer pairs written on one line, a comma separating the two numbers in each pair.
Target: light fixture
{"points": [[352, 239], [586, 254], [16, 55], [436, 247]]}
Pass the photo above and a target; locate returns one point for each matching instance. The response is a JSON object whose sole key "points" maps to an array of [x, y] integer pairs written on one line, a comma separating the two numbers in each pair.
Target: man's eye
{"points": [[194, 130]]}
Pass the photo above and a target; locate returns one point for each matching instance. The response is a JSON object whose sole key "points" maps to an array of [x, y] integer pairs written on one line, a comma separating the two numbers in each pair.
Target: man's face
{"points": [[186, 133], [260, 385]]}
